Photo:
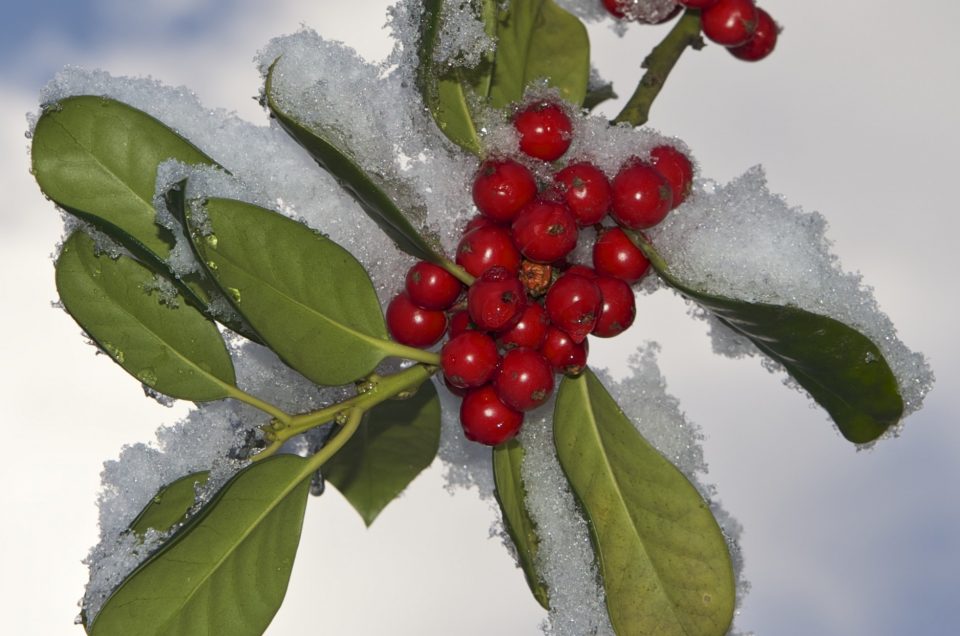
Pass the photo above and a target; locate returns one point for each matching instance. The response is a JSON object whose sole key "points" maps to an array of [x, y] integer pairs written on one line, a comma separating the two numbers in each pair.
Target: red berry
{"points": [[696, 4], [763, 41], [486, 419], [487, 247], [582, 270], [730, 22], [477, 221], [573, 304], [530, 331], [413, 326], [545, 130], [676, 169], [496, 300], [641, 196], [469, 360], [459, 322], [545, 231], [618, 310], [614, 254], [501, 188], [524, 380], [563, 354], [615, 7], [432, 287], [586, 191]]}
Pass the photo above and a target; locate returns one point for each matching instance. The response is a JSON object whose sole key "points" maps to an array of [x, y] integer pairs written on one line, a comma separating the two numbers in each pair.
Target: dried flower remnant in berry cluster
{"points": [[527, 315]]}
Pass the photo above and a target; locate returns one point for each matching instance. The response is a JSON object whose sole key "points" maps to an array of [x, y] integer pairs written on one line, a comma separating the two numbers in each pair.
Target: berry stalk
{"points": [[663, 57]]}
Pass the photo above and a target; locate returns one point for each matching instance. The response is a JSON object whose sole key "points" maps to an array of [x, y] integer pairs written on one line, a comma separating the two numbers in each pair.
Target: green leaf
{"points": [[226, 570], [511, 495], [842, 369], [662, 556], [97, 158], [307, 297], [537, 39], [365, 190], [170, 505], [449, 91], [164, 343], [395, 442]]}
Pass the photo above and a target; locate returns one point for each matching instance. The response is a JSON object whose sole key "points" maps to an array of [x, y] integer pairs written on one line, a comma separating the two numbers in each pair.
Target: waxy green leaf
{"points": [[511, 495], [170, 505], [395, 442], [226, 570], [305, 296], [97, 159], [842, 369], [340, 162], [536, 40], [451, 92], [165, 343], [664, 562]]}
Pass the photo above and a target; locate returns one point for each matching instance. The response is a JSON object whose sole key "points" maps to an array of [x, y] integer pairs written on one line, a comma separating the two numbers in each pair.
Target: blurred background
{"points": [[855, 116]]}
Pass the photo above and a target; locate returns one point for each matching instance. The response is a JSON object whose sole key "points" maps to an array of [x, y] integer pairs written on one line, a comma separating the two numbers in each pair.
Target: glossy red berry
{"points": [[614, 254], [413, 326], [762, 43], [477, 221], [730, 22], [676, 169], [501, 188], [618, 309], [486, 419], [486, 247], [459, 322], [696, 4], [641, 196], [524, 380], [432, 287], [563, 354], [573, 304], [496, 300], [545, 130], [469, 360], [586, 191], [545, 231], [615, 8], [530, 331]]}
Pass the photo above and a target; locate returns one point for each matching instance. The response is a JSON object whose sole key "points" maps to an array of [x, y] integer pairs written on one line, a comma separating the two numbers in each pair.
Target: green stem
{"points": [[663, 57], [458, 272], [382, 389], [411, 353], [354, 417], [266, 407]]}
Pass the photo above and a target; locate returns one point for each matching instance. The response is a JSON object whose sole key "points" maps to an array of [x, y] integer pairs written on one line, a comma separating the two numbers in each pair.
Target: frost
{"points": [[648, 11]]}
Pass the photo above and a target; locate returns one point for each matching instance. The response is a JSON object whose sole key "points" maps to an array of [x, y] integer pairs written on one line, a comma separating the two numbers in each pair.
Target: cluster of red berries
{"points": [[747, 31], [529, 311]]}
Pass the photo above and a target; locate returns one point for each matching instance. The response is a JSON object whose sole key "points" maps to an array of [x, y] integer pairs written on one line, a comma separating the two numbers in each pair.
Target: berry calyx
{"points": [[545, 130], [530, 331], [501, 188], [573, 304], [412, 325], [545, 231], [730, 22], [486, 247], [614, 254], [618, 309], [432, 287], [469, 360], [524, 380], [586, 191], [642, 197], [676, 169], [762, 43], [496, 300], [486, 419], [563, 354]]}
